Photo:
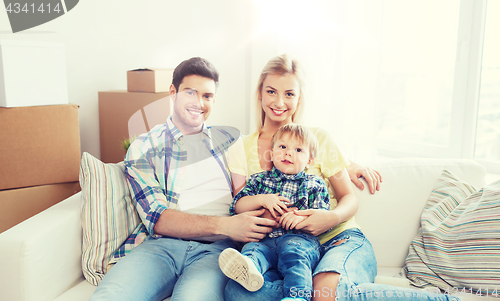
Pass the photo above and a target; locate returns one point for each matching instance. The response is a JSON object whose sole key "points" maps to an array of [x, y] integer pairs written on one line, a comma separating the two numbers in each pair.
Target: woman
{"points": [[348, 266]]}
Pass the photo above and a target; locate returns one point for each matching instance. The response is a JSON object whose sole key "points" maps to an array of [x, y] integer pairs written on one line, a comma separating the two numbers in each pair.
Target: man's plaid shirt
{"points": [[303, 190], [154, 166]]}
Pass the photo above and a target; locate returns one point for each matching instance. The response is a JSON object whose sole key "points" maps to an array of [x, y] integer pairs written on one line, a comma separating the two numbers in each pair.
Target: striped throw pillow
{"points": [[458, 244], [108, 214]]}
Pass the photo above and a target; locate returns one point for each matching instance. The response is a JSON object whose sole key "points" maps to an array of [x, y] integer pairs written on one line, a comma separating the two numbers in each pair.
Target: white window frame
{"points": [[474, 85], [465, 95]]}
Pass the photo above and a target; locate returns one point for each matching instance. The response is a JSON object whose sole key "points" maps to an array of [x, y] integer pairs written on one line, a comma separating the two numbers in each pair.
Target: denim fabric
{"points": [[294, 255], [162, 267], [354, 260]]}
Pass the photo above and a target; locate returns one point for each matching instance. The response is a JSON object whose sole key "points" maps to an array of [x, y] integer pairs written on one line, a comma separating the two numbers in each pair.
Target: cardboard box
{"points": [[124, 115], [17, 205], [149, 80], [39, 145], [32, 73]]}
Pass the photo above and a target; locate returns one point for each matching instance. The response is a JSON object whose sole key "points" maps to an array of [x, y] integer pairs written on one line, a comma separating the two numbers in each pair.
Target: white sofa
{"points": [[40, 258]]}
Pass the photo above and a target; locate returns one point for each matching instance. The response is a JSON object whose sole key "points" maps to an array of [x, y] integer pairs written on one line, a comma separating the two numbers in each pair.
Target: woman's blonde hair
{"points": [[280, 65], [298, 132]]}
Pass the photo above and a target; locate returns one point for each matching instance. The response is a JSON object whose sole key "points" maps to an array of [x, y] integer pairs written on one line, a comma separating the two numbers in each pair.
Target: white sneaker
{"points": [[241, 269]]}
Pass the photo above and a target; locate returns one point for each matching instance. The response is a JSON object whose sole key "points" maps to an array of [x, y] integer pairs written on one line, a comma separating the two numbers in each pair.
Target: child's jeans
{"points": [[294, 255], [354, 260]]}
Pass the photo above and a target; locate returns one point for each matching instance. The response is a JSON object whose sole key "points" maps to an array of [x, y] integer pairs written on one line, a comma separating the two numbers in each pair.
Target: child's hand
{"points": [[268, 215], [275, 203], [290, 220]]}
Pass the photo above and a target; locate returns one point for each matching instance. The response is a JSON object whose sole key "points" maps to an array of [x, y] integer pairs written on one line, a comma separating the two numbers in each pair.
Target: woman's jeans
{"points": [[294, 255], [158, 268], [349, 254]]}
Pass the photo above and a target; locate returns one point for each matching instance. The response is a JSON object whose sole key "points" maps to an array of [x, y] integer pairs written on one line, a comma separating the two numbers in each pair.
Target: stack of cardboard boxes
{"points": [[127, 114], [39, 131]]}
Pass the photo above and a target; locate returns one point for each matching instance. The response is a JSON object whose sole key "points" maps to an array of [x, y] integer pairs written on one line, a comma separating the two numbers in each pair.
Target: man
{"points": [[181, 174]]}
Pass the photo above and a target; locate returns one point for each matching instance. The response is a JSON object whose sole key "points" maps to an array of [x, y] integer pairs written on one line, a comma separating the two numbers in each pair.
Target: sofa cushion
{"points": [[108, 214], [458, 244], [390, 218]]}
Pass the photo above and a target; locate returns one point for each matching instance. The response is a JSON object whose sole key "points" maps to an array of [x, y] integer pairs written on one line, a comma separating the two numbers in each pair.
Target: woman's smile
{"points": [[278, 112]]}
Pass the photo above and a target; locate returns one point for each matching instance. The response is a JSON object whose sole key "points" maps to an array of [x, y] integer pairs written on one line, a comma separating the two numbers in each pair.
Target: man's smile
{"points": [[195, 112]]}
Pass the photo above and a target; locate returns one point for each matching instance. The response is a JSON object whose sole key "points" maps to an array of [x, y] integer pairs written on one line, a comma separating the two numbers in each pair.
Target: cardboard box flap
{"points": [[141, 70]]}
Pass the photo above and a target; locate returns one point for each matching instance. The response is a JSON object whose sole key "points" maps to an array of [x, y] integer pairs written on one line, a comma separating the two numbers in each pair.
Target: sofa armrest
{"points": [[41, 257]]}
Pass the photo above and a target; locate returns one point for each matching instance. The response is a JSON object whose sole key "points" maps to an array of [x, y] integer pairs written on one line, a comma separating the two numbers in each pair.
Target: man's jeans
{"points": [[349, 254], [158, 268], [294, 255]]}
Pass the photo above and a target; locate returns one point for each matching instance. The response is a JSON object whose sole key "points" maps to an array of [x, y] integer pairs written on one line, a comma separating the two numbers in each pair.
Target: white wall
{"points": [[104, 39]]}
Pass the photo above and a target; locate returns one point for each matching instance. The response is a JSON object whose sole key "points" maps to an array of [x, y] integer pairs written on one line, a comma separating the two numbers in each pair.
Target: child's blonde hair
{"points": [[299, 132]]}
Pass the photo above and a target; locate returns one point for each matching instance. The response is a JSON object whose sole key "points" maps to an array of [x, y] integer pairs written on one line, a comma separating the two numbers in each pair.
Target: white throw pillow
{"points": [[458, 244], [108, 214]]}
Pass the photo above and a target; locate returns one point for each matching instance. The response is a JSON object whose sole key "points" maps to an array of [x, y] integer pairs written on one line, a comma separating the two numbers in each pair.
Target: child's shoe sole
{"points": [[241, 269]]}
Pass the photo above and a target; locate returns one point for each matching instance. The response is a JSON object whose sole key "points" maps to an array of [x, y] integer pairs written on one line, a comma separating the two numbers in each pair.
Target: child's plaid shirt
{"points": [[303, 190]]}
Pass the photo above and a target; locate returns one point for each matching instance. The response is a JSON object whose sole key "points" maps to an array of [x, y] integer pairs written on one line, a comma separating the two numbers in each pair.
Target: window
{"points": [[416, 75], [448, 104], [394, 77], [487, 146]]}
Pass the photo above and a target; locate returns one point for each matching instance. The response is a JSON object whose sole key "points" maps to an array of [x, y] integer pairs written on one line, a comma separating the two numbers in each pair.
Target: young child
{"points": [[293, 253]]}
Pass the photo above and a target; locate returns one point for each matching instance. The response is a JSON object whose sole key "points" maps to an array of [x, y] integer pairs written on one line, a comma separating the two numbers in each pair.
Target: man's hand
{"points": [[371, 176], [289, 220], [247, 226]]}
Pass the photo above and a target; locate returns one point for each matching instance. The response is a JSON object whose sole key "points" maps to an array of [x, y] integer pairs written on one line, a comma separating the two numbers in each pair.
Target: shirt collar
{"points": [[177, 135], [279, 175]]}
